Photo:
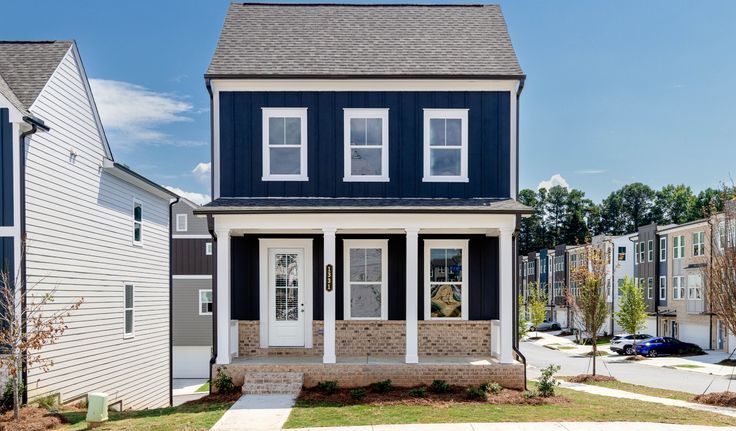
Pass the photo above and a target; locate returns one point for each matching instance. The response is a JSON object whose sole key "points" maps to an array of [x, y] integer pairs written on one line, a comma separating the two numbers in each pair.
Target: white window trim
{"points": [[445, 243], [663, 249], [650, 287], [678, 289], [284, 112], [461, 114], [700, 245], [365, 243], [650, 250], [208, 249], [126, 309], [200, 302], [179, 223], [348, 114], [138, 243], [662, 288], [678, 247]]}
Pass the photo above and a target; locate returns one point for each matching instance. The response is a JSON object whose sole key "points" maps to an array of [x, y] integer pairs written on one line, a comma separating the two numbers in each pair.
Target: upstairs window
{"points": [[208, 248], [678, 287], [445, 145], [642, 250], [699, 244], [678, 247], [663, 249], [128, 311], [650, 250], [621, 254], [366, 145], [285, 144], [650, 288], [137, 223], [662, 288], [181, 222], [695, 287]]}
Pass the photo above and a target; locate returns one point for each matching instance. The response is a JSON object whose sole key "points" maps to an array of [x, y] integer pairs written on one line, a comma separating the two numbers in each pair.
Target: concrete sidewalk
{"points": [[528, 426], [256, 413]]}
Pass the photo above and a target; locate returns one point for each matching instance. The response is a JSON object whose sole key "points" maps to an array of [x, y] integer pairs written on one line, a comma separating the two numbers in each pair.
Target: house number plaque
{"points": [[328, 278]]}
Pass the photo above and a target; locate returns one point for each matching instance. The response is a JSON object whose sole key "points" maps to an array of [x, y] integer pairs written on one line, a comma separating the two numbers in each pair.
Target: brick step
{"points": [[273, 383]]}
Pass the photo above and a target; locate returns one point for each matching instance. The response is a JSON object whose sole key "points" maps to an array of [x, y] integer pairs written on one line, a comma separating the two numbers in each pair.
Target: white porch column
{"points": [[329, 298], [412, 291], [223, 296], [506, 295]]}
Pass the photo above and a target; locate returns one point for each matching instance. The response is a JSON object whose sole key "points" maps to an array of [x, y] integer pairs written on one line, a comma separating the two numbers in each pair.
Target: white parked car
{"points": [[623, 344]]}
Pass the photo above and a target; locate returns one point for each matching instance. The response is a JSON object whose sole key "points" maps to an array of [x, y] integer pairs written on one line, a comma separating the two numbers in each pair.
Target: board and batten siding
{"points": [[79, 226], [489, 143]]}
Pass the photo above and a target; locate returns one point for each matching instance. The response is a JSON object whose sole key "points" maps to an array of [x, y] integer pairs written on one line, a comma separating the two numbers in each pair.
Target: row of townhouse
{"points": [[667, 261]]}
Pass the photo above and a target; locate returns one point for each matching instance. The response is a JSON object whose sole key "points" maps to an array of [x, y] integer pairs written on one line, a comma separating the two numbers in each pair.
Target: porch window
{"points": [[366, 144], [285, 144], [205, 302], [366, 279], [445, 145], [128, 311], [446, 285]]}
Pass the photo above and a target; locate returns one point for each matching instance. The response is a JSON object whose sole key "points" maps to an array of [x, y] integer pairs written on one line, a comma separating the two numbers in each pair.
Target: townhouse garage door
{"points": [[697, 333]]}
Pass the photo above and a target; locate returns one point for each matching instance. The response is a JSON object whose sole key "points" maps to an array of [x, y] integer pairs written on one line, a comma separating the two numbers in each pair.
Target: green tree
{"points": [[673, 204], [537, 303], [532, 232], [632, 314], [576, 228], [555, 208], [523, 321]]}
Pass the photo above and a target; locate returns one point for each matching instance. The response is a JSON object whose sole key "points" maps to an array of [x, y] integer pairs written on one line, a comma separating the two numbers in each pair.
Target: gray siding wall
{"points": [[195, 225], [190, 328]]}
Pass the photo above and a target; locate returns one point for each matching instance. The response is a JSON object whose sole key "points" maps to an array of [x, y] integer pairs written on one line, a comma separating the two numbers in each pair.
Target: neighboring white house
{"points": [[623, 266], [95, 230]]}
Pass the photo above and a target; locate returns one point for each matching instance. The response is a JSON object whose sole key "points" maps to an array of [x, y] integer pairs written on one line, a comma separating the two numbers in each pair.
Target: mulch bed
{"points": [[728, 362], [31, 419], [586, 378], [635, 358], [400, 397], [723, 399], [216, 398]]}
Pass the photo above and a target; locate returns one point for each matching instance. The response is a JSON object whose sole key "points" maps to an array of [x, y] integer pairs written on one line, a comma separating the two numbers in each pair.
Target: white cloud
{"points": [[591, 171], [197, 198], [202, 172], [555, 180], [135, 114]]}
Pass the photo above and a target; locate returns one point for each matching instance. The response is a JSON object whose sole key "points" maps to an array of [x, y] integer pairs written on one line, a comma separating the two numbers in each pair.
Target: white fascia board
{"points": [[15, 115], [219, 84]]}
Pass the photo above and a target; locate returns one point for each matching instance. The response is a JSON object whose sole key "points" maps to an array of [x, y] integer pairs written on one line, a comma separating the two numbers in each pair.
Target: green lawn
{"points": [[188, 417], [204, 388], [582, 407], [645, 390], [688, 366]]}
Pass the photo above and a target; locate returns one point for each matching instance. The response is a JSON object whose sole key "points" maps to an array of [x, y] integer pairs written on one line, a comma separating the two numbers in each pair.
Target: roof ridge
{"points": [[37, 41], [369, 4]]}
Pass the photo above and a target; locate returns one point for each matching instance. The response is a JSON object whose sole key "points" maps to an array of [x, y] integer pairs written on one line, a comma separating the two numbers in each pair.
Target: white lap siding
{"points": [[80, 228]]}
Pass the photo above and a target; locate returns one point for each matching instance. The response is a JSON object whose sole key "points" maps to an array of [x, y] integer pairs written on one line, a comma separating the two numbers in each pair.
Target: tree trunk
{"points": [[595, 351]]}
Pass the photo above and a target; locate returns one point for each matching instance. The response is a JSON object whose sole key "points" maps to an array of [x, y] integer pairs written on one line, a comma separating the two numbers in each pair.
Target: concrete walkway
{"points": [[530, 426], [186, 390], [256, 413], [616, 393]]}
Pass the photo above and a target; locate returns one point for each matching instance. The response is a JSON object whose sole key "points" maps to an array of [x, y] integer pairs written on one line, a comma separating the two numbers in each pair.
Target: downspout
{"points": [[171, 300], [36, 124], [213, 354]]}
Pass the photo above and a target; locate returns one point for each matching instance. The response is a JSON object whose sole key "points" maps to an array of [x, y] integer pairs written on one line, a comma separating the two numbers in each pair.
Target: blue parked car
{"points": [[666, 346]]}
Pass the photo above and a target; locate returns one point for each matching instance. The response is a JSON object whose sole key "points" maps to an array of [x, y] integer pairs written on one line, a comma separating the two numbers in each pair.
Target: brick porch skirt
{"points": [[380, 338]]}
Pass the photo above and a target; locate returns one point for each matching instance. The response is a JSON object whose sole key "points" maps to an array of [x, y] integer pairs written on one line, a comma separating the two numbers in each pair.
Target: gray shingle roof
{"points": [[243, 205], [299, 40], [25, 67]]}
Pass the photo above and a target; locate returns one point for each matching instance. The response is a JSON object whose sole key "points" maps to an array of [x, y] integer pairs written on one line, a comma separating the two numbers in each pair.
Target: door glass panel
{"points": [[286, 273]]}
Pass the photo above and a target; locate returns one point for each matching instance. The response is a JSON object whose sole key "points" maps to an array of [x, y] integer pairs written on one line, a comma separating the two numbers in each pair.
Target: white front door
{"points": [[286, 294]]}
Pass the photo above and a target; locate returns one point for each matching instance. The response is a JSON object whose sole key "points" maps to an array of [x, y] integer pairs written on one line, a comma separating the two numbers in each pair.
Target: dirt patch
{"points": [[597, 353], [216, 398], [728, 362], [31, 419], [724, 399], [587, 378], [401, 397], [635, 358], [533, 338]]}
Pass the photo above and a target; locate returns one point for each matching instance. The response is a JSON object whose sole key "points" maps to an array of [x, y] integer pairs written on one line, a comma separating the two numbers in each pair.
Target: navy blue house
{"points": [[364, 183]]}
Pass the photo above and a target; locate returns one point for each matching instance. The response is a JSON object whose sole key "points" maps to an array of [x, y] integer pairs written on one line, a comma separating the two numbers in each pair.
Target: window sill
{"points": [[285, 178], [205, 314], [365, 179], [445, 180], [128, 336]]}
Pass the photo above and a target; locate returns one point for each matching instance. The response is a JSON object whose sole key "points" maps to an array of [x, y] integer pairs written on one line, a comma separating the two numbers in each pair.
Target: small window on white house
{"points": [[137, 223], [208, 248], [446, 284], [662, 288], [445, 145], [181, 222], [663, 249], [129, 311], [205, 302], [366, 279], [285, 144], [366, 144]]}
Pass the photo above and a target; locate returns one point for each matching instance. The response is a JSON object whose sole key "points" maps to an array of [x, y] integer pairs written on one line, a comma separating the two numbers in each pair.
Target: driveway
{"points": [[683, 380]]}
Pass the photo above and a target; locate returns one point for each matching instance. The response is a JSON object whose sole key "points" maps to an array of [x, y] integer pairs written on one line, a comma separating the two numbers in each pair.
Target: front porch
{"points": [[422, 318]]}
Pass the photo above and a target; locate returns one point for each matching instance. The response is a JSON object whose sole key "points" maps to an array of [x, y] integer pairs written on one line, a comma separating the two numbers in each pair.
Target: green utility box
{"points": [[96, 408]]}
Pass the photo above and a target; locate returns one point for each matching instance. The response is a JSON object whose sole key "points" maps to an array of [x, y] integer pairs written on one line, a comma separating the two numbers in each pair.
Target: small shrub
{"points": [[491, 387], [547, 382], [223, 382], [382, 387], [440, 387], [49, 402], [476, 393], [529, 394], [358, 393], [419, 392], [6, 401], [328, 387]]}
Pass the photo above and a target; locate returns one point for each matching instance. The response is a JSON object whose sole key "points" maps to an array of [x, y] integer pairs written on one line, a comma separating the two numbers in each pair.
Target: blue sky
{"points": [[617, 91]]}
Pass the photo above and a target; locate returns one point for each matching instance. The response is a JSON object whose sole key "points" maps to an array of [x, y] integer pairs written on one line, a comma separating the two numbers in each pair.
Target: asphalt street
{"points": [[683, 380]]}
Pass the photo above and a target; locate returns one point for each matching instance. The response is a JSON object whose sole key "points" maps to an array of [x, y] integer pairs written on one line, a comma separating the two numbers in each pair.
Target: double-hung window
{"points": [[181, 222], [621, 253], [663, 249], [445, 276], [695, 287], [650, 250], [285, 144], [699, 243], [662, 288], [678, 247], [642, 250], [366, 144], [366, 279], [678, 287], [128, 310], [205, 302], [445, 145], [137, 223], [650, 288]]}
